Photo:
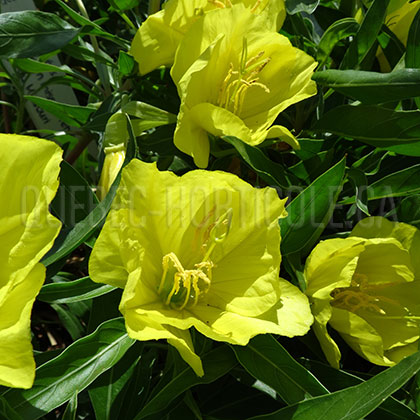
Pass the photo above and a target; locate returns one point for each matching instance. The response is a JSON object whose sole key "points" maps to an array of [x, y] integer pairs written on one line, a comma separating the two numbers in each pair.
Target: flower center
{"points": [[237, 82], [180, 287], [357, 297]]}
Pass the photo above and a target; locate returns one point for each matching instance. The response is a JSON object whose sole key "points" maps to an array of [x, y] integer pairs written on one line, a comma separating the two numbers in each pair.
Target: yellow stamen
{"points": [[255, 6], [233, 90], [180, 287]]}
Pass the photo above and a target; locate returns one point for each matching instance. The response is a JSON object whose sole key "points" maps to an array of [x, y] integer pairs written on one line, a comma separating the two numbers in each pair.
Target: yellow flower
{"points": [[367, 287], [234, 77], [29, 169], [400, 15], [201, 250], [156, 41]]}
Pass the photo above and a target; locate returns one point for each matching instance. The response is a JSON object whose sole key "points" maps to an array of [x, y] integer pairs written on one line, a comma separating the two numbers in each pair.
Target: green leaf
{"points": [[107, 392], [335, 379], [372, 123], [32, 33], [216, 363], [72, 371], [353, 403], [73, 291], [310, 211], [6, 412], [409, 210], [126, 63], [370, 87], [148, 112], [91, 27], [71, 409], [339, 30], [267, 360], [33, 66], [82, 230], [69, 321], [73, 115], [396, 184], [74, 199], [365, 39], [412, 54], [270, 172], [296, 6]]}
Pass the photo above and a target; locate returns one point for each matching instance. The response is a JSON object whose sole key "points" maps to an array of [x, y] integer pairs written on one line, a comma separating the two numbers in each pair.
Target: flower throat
{"points": [[180, 287]]}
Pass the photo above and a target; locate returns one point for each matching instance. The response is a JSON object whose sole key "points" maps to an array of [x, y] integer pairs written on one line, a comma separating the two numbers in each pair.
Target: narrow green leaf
{"points": [[368, 122], [310, 211], [296, 6], [73, 291], [6, 412], [409, 210], [335, 379], [370, 87], [339, 30], [33, 66], [107, 392], [365, 38], [72, 371], [412, 54], [267, 360], [269, 171], [397, 184], [74, 115], [82, 230], [74, 199], [148, 112], [31, 33], [216, 363], [353, 403], [92, 27], [126, 63], [71, 409], [69, 321]]}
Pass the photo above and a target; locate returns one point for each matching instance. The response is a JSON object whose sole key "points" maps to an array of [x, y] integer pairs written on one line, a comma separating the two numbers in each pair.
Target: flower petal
{"points": [[17, 366], [27, 232], [332, 264], [360, 336]]}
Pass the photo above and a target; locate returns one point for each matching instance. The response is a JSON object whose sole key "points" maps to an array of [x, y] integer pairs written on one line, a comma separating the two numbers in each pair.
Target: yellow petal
{"points": [[332, 264], [322, 312], [17, 365], [407, 235], [360, 336], [27, 232], [144, 329]]}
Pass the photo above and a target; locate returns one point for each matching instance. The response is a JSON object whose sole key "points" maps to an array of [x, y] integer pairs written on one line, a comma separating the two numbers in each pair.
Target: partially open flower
{"points": [[201, 250], [29, 169], [367, 287], [159, 36], [234, 77]]}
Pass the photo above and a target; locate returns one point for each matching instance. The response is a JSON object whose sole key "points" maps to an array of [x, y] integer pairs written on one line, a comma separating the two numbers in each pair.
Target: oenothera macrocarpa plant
{"points": [[244, 289]]}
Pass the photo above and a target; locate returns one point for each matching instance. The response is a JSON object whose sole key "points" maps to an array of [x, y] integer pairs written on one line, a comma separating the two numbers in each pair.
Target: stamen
{"points": [[356, 296], [232, 91], [255, 6], [218, 4], [180, 287]]}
